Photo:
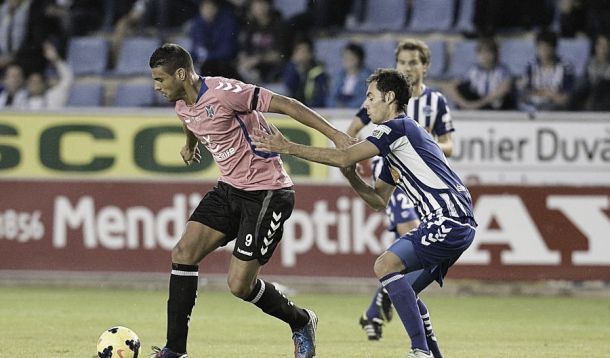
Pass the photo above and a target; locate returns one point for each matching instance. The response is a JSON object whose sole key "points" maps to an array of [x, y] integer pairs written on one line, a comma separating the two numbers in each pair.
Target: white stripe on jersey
{"points": [[427, 115], [427, 200], [405, 153], [430, 193], [449, 204]]}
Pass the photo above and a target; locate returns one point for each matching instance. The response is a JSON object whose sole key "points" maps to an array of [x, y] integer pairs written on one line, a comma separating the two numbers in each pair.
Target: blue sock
{"points": [[404, 300], [430, 337], [373, 310]]}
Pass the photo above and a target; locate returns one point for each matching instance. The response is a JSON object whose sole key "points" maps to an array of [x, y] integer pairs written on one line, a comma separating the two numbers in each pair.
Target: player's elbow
{"points": [[448, 151], [377, 205]]}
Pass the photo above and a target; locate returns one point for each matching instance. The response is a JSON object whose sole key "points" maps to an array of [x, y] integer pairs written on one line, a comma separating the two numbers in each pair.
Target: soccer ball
{"points": [[118, 342]]}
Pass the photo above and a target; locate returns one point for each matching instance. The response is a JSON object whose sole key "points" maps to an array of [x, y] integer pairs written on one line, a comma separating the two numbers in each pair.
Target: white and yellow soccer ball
{"points": [[118, 342]]}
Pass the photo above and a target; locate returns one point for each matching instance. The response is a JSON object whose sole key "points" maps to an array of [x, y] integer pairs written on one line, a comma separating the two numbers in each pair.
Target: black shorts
{"points": [[255, 218]]}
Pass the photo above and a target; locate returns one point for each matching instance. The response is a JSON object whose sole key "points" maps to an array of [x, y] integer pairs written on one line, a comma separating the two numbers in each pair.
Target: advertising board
{"points": [[524, 233]]}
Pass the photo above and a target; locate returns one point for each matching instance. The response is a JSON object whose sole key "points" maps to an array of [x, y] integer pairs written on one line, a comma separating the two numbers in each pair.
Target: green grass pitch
{"points": [[52, 322]]}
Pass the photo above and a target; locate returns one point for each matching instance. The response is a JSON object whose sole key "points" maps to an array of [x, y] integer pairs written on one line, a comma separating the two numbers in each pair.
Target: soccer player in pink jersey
{"points": [[250, 203]]}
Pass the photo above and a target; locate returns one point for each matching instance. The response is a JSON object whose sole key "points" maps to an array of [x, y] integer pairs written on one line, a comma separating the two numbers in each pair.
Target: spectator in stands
{"points": [[77, 17], [23, 28], [147, 16], [572, 17], [329, 14], [13, 94], [304, 77], [493, 16], [43, 96], [598, 76], [349, 89], [262, 43], [214, 36], [487, 84], [598, 13], [548, 83], [124, 25]]}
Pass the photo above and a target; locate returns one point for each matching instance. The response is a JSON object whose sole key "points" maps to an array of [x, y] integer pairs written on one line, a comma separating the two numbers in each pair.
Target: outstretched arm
{"points": [[336, 157], [297, 110]]}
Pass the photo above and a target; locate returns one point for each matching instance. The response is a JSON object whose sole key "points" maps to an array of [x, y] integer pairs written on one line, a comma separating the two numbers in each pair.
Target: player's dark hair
{"points": [[171, 57], [389, 79], [416, 45]]}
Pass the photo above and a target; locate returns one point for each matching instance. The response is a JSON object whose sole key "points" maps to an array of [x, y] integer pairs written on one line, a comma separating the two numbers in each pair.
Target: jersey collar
{"points": [[202, 89]]}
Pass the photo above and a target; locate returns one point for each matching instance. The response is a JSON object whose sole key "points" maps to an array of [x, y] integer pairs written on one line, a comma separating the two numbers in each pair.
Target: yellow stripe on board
{"points": [[121, 146]]}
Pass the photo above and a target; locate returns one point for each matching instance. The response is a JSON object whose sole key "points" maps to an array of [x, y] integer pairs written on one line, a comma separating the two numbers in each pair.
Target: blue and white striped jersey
{"points": [[483, 81], [415, 163], [430, 110]]}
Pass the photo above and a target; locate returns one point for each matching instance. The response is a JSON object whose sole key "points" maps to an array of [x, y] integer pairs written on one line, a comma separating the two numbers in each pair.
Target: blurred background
{"points": [[91, 183]]}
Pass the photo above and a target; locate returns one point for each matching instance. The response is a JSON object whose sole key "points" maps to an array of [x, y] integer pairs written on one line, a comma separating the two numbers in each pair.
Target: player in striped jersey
{"points": [[429, 108], [414, 162]]}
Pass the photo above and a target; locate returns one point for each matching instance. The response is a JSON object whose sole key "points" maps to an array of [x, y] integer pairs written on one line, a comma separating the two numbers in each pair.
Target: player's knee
{"points": [[182, 255], [380, 268], [239, 288], [386, 264]]}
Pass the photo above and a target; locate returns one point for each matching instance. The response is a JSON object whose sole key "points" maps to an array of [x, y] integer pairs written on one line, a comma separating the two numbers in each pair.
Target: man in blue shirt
{"points": [[414, 162]]}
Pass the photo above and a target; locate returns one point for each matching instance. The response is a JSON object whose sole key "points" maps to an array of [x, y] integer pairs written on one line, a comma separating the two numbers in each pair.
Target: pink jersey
{"points": [[222, 119]]}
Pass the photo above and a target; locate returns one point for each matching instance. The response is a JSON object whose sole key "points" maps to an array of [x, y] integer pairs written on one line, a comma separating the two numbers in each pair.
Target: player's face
{"points": [[409, 63], [167, 84], [375, 104]]}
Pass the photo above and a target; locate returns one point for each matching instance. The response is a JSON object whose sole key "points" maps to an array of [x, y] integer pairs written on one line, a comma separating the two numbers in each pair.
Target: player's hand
{"points": [[343, 140], [190, 155], [269, 142], [349, 171]]}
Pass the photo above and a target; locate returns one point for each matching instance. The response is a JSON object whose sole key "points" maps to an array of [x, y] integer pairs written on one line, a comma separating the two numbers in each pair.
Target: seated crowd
{"points": [[273, 43]]}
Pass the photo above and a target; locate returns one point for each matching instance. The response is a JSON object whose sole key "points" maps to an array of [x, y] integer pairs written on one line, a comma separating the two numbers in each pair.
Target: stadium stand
{"points": [[379, 53], [463, 55], [465, 14], [134, 94], [88, 55], [290, 8], [447, 26], [328, 51], [86, 94], [575, 51], [184, 41], [438, 52], [135, 52], [516, 53], [431, 15], [387, 15]]}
